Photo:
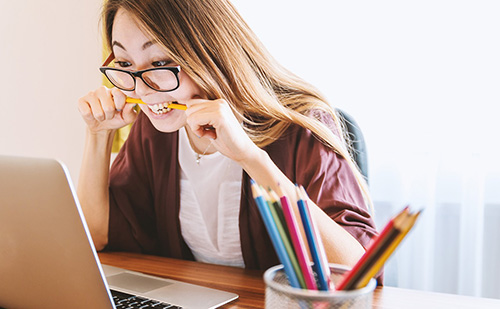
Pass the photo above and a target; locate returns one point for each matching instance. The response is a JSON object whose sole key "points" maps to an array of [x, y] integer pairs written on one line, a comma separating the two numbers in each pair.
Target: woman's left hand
{"points": [[215, 119]]}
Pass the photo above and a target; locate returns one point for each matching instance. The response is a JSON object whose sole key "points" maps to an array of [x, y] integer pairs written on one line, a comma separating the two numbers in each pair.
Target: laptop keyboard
{"points": [[129, 301]]}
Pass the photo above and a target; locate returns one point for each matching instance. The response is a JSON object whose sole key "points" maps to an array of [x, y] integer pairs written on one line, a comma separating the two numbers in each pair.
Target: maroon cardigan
{"points": [[145, 194]]}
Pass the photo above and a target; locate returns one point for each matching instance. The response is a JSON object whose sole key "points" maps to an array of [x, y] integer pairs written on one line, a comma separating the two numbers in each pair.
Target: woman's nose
{"points": [[141, 89]]}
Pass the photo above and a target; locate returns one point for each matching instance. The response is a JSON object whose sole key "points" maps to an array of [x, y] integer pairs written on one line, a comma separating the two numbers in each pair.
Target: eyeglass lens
{"points": [[162, 80]]}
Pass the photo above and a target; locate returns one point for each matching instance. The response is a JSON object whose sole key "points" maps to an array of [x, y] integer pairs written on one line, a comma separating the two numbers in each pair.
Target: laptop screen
{"points": [[47, 257]]}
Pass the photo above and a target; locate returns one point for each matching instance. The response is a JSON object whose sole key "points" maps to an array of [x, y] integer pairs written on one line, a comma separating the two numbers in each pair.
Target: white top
{"points": [[210, 205]]}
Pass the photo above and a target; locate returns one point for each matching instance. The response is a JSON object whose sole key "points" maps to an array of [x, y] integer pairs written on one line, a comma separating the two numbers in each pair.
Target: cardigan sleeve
{"points": [[327, 178], [131, 217], [331, 184]]}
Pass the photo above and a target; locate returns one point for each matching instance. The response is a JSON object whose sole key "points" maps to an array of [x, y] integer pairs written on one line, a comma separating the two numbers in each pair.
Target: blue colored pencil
{"points": [[316, 248], [279, 219], [298, 242], [272, 230]]}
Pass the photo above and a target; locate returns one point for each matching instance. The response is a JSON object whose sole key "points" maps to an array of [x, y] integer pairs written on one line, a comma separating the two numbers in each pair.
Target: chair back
{"points": [[357, 142]]}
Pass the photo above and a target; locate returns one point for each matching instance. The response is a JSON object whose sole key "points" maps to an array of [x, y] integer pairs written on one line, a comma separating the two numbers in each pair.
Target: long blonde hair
{"points": [[216, 48]]}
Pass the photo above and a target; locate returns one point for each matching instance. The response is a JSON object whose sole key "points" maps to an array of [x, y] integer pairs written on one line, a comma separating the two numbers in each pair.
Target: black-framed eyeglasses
{"points": [[162, 79]]}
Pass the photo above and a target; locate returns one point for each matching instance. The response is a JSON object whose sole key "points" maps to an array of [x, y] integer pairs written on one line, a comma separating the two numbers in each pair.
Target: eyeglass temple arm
{"points": [[108, 60]]}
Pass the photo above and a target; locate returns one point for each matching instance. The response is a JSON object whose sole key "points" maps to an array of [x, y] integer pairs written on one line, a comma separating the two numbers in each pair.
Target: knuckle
{"points": [[116, 92], [102, 92], [81, 102], [108, 109], [99, 116], [92, 96], [86, 114], [102, 89], [86, 97]]}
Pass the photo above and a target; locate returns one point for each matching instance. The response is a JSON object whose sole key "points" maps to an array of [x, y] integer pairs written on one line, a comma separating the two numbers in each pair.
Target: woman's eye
{"points": [[161, 63], [123, 64]]}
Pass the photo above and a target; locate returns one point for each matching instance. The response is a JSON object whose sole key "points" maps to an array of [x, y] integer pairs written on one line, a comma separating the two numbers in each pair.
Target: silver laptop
{"points": [[48, 260]]}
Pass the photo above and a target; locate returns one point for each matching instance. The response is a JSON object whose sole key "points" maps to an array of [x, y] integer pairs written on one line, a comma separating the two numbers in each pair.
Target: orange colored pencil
{"points": [[405, 228], [376, 249]]}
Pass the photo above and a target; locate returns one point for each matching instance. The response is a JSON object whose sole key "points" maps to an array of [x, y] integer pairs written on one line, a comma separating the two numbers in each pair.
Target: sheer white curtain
{"points": [[422, 79], [455, 245]]}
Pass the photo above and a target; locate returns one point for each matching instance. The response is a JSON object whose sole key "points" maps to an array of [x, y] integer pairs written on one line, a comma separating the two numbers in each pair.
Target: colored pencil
{"points": [[316, 248], [374, 249], [298, 242], [405, 228], [276, 204], [272, 230], [379, 251], [171, 105], [324, 260], [279, 219]]}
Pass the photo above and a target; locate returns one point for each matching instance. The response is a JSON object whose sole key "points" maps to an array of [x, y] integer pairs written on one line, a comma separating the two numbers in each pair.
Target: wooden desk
{"points": [[250, 286]]}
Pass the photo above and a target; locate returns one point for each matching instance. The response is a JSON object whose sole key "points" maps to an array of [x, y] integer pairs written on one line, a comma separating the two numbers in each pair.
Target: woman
{"points": [[180, 186]]}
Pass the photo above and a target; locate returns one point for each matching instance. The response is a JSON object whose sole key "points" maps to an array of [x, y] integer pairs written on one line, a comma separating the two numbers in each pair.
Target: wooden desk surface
{"points": [[250, 287]]}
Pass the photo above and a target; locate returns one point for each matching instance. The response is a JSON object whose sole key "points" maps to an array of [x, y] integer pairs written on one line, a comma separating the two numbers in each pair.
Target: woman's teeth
{"points": [[160, 109]]}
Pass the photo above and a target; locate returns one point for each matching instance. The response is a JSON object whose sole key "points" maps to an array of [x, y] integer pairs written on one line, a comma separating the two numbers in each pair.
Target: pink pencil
{"points": [[298, 243]]}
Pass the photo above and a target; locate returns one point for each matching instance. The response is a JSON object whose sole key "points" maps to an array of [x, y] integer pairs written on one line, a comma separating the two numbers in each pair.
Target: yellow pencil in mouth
{"points": [[171, 105]]}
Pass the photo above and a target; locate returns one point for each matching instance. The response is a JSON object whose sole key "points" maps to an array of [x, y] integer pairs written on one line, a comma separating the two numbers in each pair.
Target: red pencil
{"points": [[298, 242], [403, 227], [374, 250]]}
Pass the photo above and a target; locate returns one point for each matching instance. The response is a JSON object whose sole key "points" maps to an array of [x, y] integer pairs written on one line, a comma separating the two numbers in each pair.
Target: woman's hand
{"points": [[214, 119], [105, 109]]}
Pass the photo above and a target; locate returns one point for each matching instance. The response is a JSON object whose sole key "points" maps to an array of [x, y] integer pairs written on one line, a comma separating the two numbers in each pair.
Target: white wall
{"points": [[402, 68], [50, 54]]}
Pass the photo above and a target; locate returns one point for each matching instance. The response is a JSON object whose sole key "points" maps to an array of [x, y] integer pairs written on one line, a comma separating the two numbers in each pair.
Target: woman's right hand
{"points": [[105, 109]]}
